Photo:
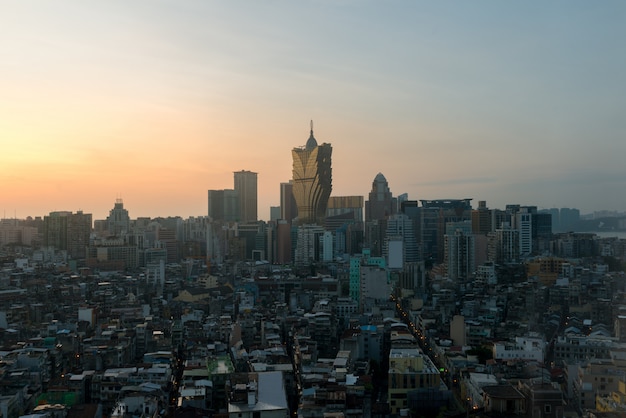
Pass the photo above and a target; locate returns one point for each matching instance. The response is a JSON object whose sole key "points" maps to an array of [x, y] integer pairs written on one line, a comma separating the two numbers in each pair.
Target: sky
{"points": [[156, 102]]}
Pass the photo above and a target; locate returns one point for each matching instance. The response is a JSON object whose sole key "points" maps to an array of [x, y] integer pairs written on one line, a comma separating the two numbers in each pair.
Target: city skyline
{"points": [[156, 103]]}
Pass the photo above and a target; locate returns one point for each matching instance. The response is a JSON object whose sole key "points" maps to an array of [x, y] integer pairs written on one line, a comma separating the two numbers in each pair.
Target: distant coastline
{"points": [[608, 233], [604, 227]]}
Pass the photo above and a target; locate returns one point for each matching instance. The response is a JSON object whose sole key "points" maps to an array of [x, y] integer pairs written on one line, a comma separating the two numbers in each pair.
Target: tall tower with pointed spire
{"points": [[312, 180]]}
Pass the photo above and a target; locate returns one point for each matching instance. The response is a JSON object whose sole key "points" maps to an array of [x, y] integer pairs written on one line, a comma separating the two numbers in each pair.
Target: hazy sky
{"points": [[158, 101]]}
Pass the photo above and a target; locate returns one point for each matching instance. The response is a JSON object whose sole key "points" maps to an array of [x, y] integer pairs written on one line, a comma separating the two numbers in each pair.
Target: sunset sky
{"points": [[156, 102]]}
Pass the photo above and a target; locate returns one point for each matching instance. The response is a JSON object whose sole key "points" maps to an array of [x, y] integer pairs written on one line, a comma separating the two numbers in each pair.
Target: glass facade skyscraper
{"points": [[312, 180]]}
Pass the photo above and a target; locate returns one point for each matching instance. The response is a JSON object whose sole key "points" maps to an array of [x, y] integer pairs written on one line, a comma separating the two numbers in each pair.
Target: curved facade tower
{"points": [[312, 180]]}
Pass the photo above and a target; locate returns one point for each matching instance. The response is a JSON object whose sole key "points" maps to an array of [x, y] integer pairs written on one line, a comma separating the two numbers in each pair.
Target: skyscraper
{"points": [[482, 219], [381, 203], [400, 228], [459, 252], [435, 214], [118, 221], [246, 187], [67, 231], [216, 205], [288, 208], [312, 180], [224, 205], [378, 208]]}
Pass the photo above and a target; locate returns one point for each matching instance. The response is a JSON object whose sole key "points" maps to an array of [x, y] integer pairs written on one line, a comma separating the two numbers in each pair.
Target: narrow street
{"points": [[426, 347]]}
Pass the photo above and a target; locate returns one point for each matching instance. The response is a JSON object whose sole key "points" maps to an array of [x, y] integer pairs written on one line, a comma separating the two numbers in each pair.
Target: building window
{"points": [[547, 409]]}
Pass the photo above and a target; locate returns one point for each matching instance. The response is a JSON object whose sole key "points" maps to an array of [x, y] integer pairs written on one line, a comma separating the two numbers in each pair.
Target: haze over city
{"points": [[157, 102]]}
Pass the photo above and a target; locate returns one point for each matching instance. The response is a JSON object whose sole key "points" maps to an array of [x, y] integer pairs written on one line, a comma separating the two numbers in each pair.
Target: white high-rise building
{"points": [[401, 226], [504, 245], [524, 224]]}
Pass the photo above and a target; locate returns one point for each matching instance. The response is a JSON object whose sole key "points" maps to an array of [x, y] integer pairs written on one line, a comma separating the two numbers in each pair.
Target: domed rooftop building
{"points": [[311, 143]]}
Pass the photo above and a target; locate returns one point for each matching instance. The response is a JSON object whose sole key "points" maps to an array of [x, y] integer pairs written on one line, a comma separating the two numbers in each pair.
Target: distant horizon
{"points": [[266, 219]]}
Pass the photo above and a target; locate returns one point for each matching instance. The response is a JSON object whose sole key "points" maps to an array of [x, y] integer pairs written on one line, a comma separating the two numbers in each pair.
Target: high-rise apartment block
{"points": [[309, 245], [356, 262], [67, 231], [542, 232], [238, 204], [459, 254], [535, 228], [504, 245], [482, 219], [224, 205], [312, 180], [246, 188], [216, 205], [283, 242], [524, 224], [435, 215], [400, 228]]}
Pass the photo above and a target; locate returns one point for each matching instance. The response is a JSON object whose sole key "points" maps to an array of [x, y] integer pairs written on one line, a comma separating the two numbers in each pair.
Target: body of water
{"points": [[609, 234]]}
